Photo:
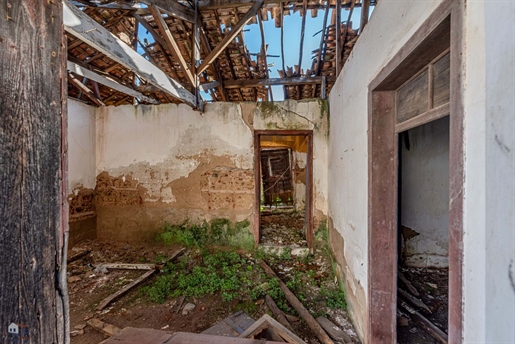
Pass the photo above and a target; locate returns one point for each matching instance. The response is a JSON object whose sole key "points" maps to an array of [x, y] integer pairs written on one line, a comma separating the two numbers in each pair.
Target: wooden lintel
{"points": [[80, 25], [174, 8], [228, 39], [75, 68], [171, 43], [277, 81]]}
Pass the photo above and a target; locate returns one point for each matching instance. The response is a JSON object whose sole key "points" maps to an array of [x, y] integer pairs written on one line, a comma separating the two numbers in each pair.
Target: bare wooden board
{"points": [[131, 335], [267, 321], [231, 326], [125, 289], [78, 256]]}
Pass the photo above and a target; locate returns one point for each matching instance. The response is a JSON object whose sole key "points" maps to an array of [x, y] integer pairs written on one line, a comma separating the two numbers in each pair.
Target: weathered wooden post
{"points": [[33, 299]]}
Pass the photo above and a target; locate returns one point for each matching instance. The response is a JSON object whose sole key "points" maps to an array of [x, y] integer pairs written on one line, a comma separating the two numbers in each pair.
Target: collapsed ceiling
{"points": [[164, 51]]}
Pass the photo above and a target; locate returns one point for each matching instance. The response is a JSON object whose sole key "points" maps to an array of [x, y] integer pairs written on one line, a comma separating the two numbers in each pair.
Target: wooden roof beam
{"points": [[171, 44], [174, 8], [75, 68], [82, 26], [228, 39], [86, 90], [277, 81]]}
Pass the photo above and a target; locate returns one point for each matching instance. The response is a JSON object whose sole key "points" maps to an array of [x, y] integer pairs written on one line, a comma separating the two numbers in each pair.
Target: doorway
{"points": [[284, 193], [440, 34]]}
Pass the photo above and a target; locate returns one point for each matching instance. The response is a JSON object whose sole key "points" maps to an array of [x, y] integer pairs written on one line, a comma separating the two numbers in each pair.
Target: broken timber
{"points": [[78, 256], [299, 307], [230, 36], [277, 312], [75, 68], [334, 331], [103, 304], [303, 80], [89, 31], [123, 266], [413, 300]]}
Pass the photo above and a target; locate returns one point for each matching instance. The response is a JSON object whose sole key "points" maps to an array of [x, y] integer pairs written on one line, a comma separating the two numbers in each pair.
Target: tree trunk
{"points": [[32, 220]]}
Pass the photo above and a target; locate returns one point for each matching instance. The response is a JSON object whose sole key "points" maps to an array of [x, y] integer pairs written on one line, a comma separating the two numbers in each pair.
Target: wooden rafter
{"points": [[227, 39], [75, 68], [171, 44], [174, 8], [80, 25], [86, 90], [223, 4], [277, 81]]}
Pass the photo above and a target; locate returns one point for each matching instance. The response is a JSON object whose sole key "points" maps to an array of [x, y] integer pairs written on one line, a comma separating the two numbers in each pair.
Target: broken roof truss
{"points": [[167, 51]]}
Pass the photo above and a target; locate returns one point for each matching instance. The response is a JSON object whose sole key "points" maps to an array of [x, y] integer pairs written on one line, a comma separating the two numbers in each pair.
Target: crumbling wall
{"points": [[81, 172], [171, 164]]}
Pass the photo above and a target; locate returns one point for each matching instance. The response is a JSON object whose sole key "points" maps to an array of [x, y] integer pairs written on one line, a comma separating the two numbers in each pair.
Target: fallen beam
{"points": [[277, 312], [425, 323], [334, 331], [303, 80], [78, 256], [89, 31], [413, 300], [299, 307], [75, 68], [267, 321], [105, 302], [228, 39]]}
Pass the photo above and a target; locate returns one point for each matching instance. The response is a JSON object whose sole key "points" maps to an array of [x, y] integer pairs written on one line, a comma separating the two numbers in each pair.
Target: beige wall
{"points": [[168, 163]]}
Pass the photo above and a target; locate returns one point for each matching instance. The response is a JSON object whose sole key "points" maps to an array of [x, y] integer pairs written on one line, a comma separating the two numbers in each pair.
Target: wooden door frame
{"points": [[309, 206], [418, 51]]}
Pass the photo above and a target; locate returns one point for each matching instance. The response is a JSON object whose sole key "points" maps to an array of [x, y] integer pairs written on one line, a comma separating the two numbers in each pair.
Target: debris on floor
{"points": [[283, 228], [200, 289], [422, 305]]}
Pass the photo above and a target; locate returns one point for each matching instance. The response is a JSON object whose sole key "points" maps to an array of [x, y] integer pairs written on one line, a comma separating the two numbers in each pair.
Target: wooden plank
{"points": [[123, 266], [426, 117], [303, 80], [78, 256], [365, 12], [338, 35], [82, 26], [334, 331], [157, 37], [231, 326], [302, 30], [75, 68], [412, 98], [174, 8], [277, 312], [112, 5], [267, 321], [408, 284], [229, 37], [199, 338], [32, 120], [441, 81], [299, 307], [172, 45], [131, 335], [86, 90], [413, 300], [125, 290]]}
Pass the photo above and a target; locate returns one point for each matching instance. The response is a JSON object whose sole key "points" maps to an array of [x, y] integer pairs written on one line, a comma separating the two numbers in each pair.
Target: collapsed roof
{"points": [[164, 51]]}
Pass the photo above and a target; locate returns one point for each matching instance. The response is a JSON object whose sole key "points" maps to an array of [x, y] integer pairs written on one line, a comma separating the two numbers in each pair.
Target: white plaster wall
{"points": [[391, 25], [177, 138], [425, 194], [81, 145], [489, 207]]}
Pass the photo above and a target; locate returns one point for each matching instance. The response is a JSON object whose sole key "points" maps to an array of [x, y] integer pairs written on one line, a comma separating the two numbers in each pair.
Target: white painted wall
{"points": [[81, 145], [391, 25], [425, 194], [489, 208]]}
